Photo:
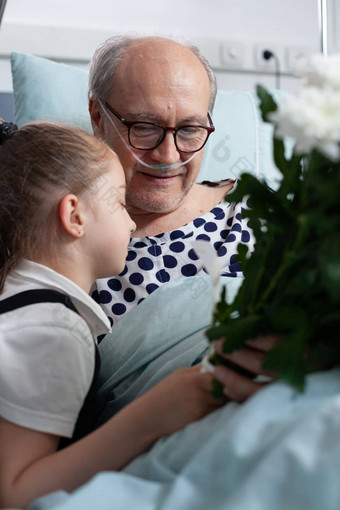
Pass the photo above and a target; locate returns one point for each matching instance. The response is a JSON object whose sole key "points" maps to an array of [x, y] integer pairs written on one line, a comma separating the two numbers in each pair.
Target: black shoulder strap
{"points": [[87, 418], [31, 297]]}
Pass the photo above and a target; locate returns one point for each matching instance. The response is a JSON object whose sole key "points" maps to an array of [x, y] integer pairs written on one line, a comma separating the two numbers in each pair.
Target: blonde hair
{"points": [[39, 164]]}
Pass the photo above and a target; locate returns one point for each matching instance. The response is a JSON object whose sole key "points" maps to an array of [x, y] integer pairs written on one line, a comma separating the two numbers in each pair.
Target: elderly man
{"points": [[151, 100]]}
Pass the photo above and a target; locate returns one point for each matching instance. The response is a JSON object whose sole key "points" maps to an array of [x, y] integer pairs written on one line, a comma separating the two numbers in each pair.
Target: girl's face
{"points": [[110, 226]]}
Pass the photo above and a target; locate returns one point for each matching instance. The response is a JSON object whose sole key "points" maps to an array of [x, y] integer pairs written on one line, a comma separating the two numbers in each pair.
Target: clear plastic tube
{"points": [[129, 148]]}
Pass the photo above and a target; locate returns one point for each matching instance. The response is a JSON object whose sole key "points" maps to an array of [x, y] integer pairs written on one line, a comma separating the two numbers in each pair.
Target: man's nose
{"points": [[166, 152]]}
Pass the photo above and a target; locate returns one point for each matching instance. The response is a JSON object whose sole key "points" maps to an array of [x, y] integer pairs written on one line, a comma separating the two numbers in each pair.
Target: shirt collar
{"points": [[31, 275]]}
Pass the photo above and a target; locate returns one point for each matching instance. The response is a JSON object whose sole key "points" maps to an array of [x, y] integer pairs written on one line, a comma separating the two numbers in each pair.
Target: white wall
{"points": [[69, 31]]}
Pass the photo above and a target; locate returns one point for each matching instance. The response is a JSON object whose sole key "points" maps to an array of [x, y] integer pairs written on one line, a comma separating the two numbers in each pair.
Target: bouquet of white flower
{"points": [[313, 118], [292, 283]]}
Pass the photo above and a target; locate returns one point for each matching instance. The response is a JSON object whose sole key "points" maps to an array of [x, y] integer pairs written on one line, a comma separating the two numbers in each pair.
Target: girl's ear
{"points": [[71, 216]]}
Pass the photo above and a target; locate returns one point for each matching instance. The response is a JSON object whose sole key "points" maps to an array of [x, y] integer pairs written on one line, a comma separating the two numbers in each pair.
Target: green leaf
{"points": [[288, 359], [292, 279], [267, 103], [279, 155], [236, 331], [287, 317], [242, 251]]}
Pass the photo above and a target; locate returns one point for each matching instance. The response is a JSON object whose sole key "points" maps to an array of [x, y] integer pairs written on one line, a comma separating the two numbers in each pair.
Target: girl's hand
{"points": [[181, 398], [31, 466]]}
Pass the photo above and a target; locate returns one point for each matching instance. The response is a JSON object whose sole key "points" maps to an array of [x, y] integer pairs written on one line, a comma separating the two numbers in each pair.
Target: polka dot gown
{"points": [[155, 260]]}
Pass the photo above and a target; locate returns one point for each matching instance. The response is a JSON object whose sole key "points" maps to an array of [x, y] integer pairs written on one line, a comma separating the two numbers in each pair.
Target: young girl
{"points": [[63, 224]]}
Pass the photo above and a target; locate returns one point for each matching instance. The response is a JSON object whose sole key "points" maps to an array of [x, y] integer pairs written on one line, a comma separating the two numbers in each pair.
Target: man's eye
{"points": [[144, 130], [189, 129], [191, 132]]}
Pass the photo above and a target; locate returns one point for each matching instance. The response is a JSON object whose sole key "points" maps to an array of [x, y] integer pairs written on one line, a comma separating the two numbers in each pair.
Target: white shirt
{"points": [[47, 352]]}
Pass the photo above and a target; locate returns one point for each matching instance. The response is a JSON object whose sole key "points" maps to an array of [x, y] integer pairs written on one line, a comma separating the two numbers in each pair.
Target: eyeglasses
{"points": [[147, 135]]}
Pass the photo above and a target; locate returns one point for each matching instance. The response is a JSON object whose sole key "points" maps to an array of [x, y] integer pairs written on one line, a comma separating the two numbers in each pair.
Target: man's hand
{"points": [[236, 386]]}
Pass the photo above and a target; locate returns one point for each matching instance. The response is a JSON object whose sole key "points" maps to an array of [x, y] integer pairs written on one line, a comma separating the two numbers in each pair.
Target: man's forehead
{"points": [[161, 78], [155, 56], [150, 103]]}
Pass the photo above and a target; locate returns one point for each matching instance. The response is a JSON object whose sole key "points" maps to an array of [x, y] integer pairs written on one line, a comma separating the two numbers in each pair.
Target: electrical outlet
{"points": [[261, 62], [294, 55], [232, 54]]}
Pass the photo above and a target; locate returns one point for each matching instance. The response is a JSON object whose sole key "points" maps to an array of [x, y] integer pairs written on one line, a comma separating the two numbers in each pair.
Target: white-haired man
{"points": [[151, 100]]}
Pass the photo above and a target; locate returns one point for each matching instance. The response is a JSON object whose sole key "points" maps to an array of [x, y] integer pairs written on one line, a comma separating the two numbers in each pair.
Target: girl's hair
{"points": [[39, 164]]}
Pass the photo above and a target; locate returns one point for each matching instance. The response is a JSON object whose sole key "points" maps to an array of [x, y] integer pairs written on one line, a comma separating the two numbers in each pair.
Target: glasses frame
{"points": [[209, 129]]}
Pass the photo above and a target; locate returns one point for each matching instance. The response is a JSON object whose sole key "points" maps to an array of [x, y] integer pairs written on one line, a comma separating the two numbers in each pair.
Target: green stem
{"points": [[298, 242]]}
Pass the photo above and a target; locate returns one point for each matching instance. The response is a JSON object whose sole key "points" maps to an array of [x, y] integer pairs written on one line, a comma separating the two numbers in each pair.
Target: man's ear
{"points": [[97, 120], [71, 216]]}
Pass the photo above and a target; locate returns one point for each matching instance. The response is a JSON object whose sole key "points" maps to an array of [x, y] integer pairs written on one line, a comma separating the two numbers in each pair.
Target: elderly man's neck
{"points": [[200, 200]]}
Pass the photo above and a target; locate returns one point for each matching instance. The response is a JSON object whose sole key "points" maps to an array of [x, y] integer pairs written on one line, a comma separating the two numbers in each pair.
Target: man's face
{"points": [[165, 84]]}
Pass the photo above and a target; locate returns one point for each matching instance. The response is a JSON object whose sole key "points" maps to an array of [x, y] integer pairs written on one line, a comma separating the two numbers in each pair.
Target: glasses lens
{"points": [[191, 138], [145, 135]]}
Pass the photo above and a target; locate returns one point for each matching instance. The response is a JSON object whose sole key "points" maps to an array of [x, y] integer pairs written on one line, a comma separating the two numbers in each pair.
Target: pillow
{"points": [[46, 90], [242, 142]]}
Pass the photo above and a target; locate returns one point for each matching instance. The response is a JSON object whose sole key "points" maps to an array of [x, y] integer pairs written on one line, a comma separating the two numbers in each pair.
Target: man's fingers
{"points": [[252, 355], [236, 387], [248, 359], [261, 343], [264, 342]]}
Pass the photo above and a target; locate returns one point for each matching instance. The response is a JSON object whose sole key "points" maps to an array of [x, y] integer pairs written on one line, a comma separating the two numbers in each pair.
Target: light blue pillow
{"points": [[46, 90], [242, 142]]}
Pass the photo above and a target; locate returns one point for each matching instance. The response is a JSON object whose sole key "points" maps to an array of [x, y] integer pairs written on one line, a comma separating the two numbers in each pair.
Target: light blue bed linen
{"points": [[278, 451], [164, 332]]}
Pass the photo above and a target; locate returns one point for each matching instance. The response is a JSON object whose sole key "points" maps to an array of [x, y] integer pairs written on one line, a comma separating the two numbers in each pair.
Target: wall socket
{"points": [[294, 55], [232, 54], [261, 63], [239, 55]]}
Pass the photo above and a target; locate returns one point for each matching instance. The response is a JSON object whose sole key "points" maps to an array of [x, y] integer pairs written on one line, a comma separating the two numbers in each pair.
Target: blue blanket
{"points": [[280, 450], [165, 332]]}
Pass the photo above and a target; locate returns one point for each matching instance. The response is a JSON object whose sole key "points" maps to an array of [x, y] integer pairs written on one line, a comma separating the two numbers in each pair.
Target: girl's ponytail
{"points": [[39, 164]]}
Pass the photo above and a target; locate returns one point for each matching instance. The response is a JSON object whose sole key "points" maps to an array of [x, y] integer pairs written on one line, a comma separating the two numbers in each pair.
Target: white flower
{"points": [[312, 119], [321, 71]]}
